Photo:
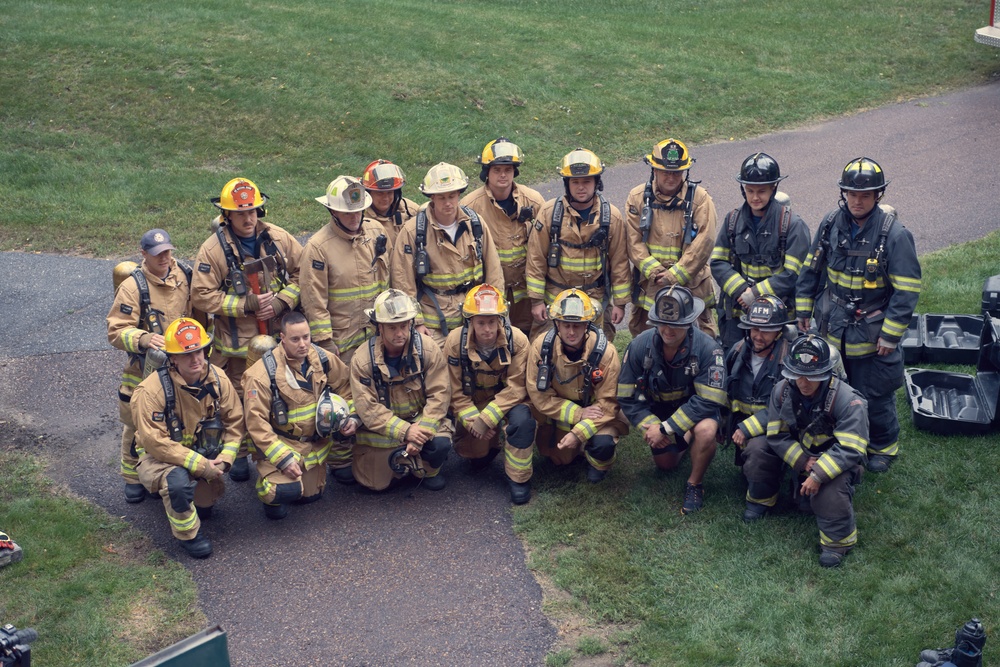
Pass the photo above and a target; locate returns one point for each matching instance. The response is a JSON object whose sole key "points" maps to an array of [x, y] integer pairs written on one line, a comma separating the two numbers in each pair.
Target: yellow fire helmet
{"points": [[573, 305], [185, 335], [669, 155], [345, 194], [581, 163], [240, 194], [393, 306], [500, 151], [444, 177], [484, 299]]}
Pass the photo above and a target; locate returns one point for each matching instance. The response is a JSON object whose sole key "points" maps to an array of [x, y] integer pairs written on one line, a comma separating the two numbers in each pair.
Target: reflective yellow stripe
{"points": [[184, 525]]}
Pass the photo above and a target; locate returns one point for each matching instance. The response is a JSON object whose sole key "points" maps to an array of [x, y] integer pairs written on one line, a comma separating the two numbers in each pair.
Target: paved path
{"points": [[411, 577]]}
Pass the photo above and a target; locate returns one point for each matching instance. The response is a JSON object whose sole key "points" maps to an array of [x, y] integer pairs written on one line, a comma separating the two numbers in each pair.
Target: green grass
{"points": [[93, 588], [649, 586], [119, 116]]}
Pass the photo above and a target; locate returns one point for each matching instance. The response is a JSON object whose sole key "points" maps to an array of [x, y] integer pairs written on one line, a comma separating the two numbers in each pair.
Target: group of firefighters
{"points": [[486, 323]]}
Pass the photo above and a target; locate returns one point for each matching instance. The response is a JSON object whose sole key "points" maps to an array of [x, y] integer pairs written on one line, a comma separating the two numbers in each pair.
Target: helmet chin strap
{"points": [[341, 225]]}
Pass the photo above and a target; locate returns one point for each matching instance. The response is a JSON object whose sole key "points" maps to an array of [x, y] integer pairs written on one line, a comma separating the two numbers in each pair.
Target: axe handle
{"points": [[253, 279]]}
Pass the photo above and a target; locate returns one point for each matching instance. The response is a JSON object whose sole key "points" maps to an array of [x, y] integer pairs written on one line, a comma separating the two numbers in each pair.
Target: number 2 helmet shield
{"points": [[676, 307]]}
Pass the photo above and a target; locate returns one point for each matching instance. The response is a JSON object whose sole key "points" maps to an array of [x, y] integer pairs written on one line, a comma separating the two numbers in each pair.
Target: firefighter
{"points": [[760, 246], [345, 265], [571, 381], [818, 426], [672, 387], [753, 367], [244, 302], [671, 228], [443, 252], [866, 261], [384, 181], [508, 209], [189, 423], [297, 402], [579, 241], [401, 392], [147, 300], [487, 359]]}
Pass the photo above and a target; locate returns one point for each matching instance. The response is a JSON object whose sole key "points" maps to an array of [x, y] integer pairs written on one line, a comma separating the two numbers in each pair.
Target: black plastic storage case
{"points": [[991, 296], [950, 339], [913, 342], [957, 403]]}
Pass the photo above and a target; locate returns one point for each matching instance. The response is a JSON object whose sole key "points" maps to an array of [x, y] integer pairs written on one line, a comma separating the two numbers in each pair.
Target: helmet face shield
{"points": [[484, 300], [581, 163], [383, 175], [573, 305]]}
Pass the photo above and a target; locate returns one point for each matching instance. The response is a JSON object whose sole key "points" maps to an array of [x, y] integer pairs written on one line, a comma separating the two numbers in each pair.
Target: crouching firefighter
{"points": [[753, 367], [571, 380], [296, 404], [818, 426], [148, 297], [672, 388], [189, 423], [401, 393], [487, 359]]}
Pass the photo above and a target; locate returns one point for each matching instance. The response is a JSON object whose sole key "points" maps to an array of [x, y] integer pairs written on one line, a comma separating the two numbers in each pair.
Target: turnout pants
{"points": [[877, 379], [129, 458], [519, 436], [180, 493], [833, 505], [599, 451]]}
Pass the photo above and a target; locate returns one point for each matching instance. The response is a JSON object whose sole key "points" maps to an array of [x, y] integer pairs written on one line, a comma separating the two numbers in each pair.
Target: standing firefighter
{"points": [[401, 393], [671, 228], [297, 400], [384, 181], [345, 265], [753, 367], [147, 300], [188, 422], [672, 387], [760, 246], [443, 253], [579, 242], [818, 426], [571, 380], [487, 359], [508, 209], [867, 262], [247, 275]]}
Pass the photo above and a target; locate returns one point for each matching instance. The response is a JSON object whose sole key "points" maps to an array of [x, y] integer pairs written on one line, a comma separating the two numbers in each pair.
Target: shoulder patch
{"points": [[633, 210], [407, 249], [538, 225], [718, 358], [157, 416], [204, 268], [454, 361], [125, 308], [365, 381], [715, 377], [318, 265]]}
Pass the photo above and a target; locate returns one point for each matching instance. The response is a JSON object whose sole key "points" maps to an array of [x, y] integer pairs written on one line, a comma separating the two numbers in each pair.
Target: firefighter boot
{"points": [[520, 492], [134, 493], [343, 476], [276, 512], [880, 462], [754, 512], [435, 483], [199, 547], [240, 472], [831, 558]]}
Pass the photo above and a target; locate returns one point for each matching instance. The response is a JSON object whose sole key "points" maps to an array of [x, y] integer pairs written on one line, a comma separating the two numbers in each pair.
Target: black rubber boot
{"points": [[520, 493], [199, 547], [134, 493], [240, 472], [275, 512]]}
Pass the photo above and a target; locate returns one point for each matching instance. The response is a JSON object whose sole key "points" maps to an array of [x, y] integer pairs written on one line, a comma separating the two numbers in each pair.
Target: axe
{"points": [[253, 268]]}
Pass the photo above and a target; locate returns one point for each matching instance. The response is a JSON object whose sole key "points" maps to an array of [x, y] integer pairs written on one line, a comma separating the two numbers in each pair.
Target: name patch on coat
{"points": [[318, 265], [633, 210], [205, 268], [454, 361], [407, 249], [157, 416], [365, 381], [125, 309]]}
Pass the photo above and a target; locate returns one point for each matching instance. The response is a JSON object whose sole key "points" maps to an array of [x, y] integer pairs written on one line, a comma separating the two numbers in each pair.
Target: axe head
{"points": [[267, 262]]}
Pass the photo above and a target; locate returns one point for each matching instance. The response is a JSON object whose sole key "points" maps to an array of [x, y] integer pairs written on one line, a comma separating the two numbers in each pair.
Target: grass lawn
{"points": [[93, 588], [118, 117], [630, 579]]}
